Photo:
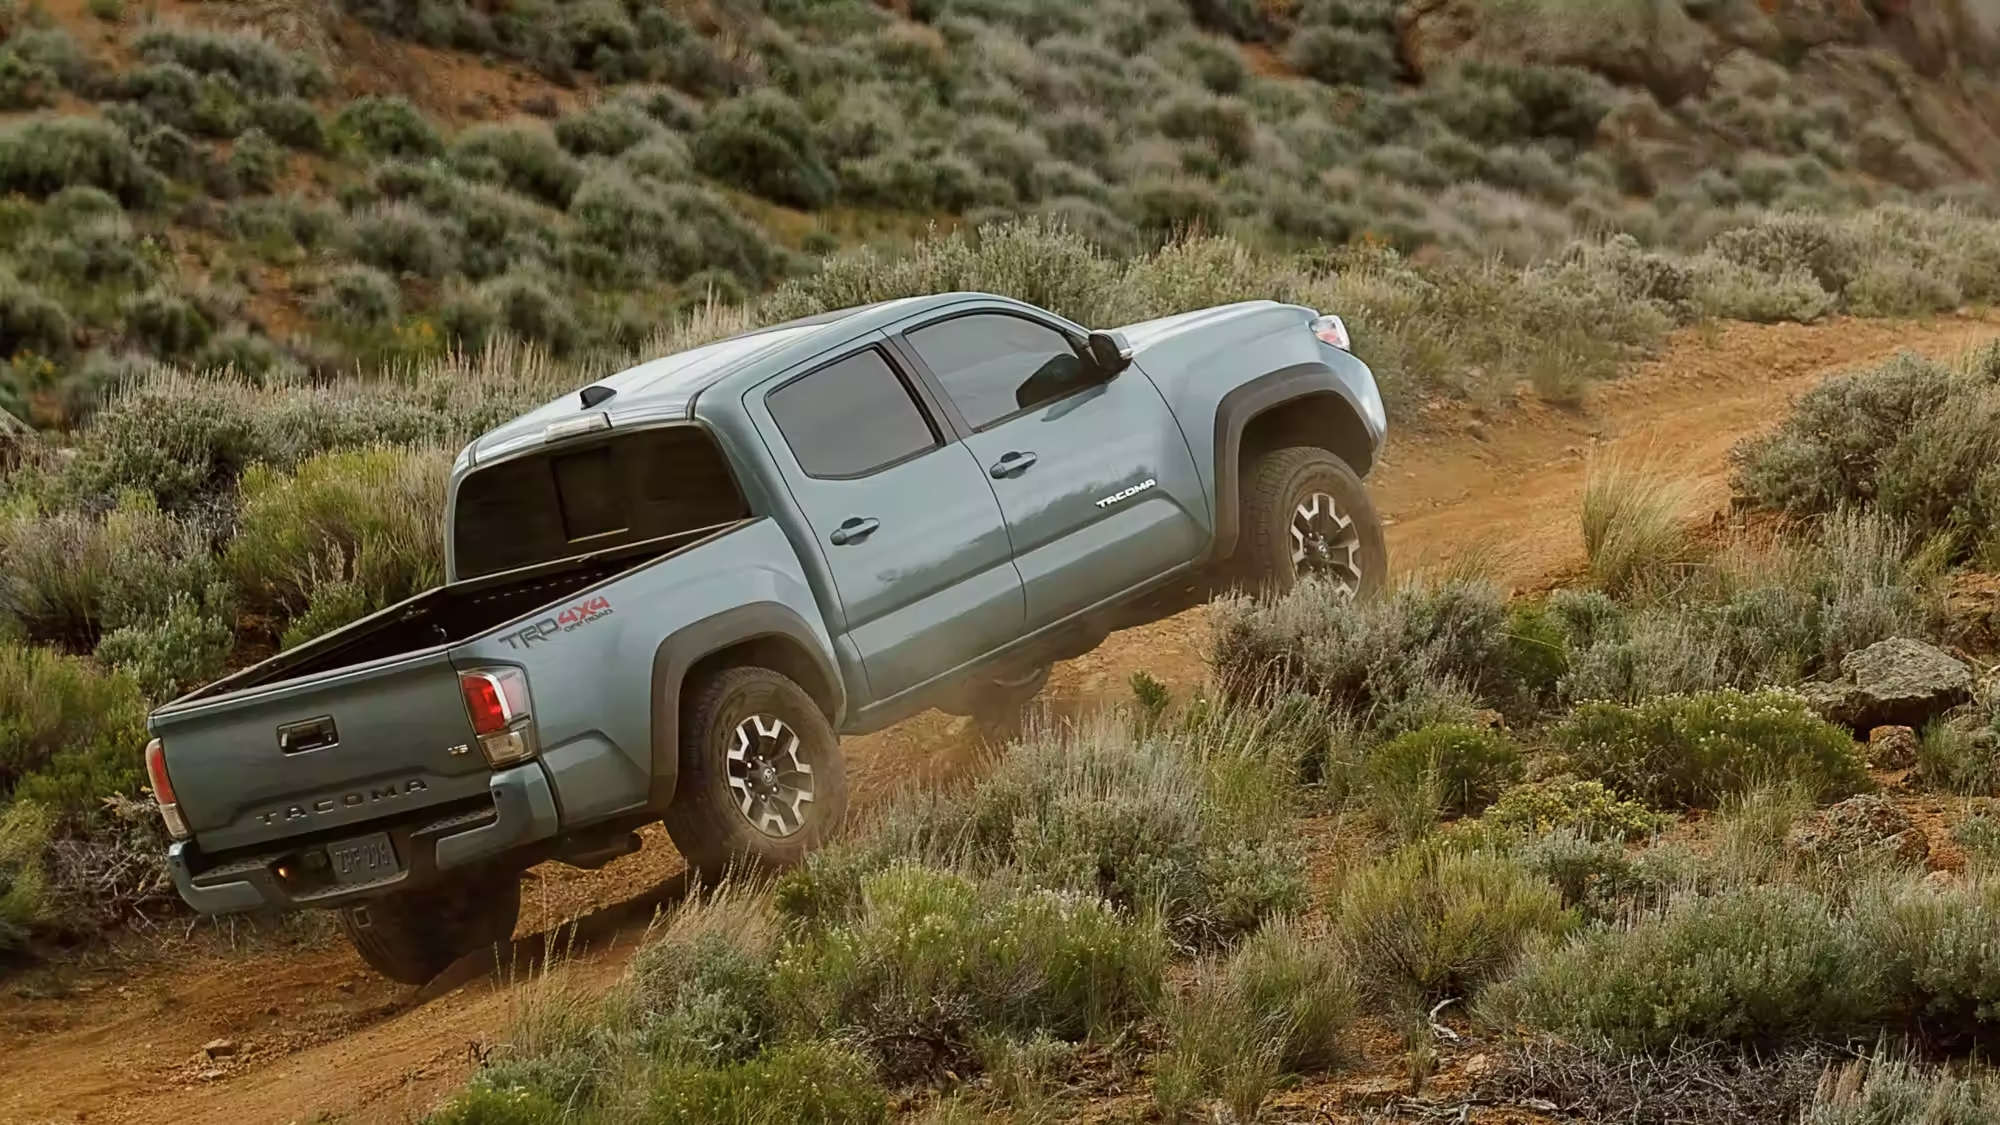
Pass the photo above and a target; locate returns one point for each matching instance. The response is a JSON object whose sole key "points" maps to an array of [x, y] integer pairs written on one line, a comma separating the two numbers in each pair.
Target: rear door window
{"points": [[627, 488], [851, 418]]}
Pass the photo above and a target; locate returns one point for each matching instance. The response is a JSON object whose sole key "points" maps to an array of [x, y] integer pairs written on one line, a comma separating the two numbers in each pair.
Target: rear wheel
{"points": [[414, 936], [1306, 513], [762, 781]]}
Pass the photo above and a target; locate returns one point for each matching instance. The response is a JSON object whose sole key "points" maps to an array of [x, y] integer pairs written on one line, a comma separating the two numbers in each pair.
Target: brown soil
{"points": [[119, 1036]]}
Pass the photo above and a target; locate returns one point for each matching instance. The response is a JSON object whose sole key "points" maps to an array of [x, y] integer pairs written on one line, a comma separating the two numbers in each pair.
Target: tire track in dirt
{"points": [[314, 1036]]}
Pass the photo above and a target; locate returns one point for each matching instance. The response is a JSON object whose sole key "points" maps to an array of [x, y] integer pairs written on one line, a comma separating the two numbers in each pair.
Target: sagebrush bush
{"points": [[388, 127], [39, 158], [1913, 439], [669, 231], [1444, 770], [1691, 751], [1432, 922], [607, 129], [26, 903], [523, 156], [69, 577], [165, 322], [764, 144], [69, 734], [1887, 1089], [359, 297], [1279, 1005], [371, 519], [1176, 824], [173, 652], [923, 956], [254, 62], [1585, 807], [1755, 965]]}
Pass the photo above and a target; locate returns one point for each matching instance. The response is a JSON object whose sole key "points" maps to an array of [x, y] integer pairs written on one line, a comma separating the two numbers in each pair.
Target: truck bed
{"points": [[449, 614]]}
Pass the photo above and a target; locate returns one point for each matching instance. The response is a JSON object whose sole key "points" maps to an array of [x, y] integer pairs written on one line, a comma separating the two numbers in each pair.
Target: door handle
{"points": [[854, 531], [1013, 464]]}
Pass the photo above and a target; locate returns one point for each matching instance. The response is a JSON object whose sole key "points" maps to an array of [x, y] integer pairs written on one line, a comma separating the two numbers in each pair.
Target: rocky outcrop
{"points": [[1897, 682], [1865, 828]]}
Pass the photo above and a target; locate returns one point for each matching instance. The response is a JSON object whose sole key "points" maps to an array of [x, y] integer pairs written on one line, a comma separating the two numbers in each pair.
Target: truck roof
{"points": [[667, 387]]}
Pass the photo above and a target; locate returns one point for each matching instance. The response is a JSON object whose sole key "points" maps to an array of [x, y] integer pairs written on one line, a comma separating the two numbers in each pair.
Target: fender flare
{"points": [[697, 640], [1233, 416]]}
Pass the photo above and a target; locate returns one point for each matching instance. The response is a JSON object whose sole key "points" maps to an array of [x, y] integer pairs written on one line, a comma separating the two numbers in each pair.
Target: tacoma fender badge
{"points": [[1127, 493]]}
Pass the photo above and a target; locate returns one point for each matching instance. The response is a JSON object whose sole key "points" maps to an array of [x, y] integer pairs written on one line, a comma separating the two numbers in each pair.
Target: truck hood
{"points": [[1148, 334]]}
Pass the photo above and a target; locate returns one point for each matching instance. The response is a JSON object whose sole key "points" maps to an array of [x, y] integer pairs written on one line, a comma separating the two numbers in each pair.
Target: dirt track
{"points": [[316, 1036]]}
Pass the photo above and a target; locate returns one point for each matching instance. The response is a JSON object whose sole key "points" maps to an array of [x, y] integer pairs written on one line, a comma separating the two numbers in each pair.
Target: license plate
{"points": [[364, 860]]}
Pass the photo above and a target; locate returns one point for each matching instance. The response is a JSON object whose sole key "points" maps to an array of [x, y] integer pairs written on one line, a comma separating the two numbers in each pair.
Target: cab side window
{"points": [[995, 366], [851, 418]]}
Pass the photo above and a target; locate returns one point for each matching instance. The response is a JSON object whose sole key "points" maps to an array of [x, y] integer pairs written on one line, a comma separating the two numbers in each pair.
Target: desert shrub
{"points": [[665, 158], [1953, 760], [1174, 824], [40, 157], [388, 127], [372, 518], [357, 296], [176, 652], [1753, 965], [607, 129], [664, 104], [239, 350], [70, 733], [1690, 751], [31, 322], [402, 238], [26, 900], [820, 1083], [701, 989], [1431, 922], [1634, 532], [523, 156], [527, 309], [1343, 56], [254, 62], [1367, 656], [1887, 1089], [69, 577], [165, 322], [764, 144], [1278, 1005], [26, 84], [257, 161], [292, 122], [1587, 808], [1445, 770], [1913, 439], [924, 956], [669, 231]]}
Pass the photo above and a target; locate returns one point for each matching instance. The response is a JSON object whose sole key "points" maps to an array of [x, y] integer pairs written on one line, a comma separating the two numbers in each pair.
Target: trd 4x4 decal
{"points": [[573, 618]]}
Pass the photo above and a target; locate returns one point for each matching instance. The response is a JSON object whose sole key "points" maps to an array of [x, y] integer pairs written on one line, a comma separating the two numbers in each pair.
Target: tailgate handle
{"points": [[308, 734]]}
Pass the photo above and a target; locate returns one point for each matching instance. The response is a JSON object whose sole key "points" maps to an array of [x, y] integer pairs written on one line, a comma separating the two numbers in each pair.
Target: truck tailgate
{"points": [[322, 753]]}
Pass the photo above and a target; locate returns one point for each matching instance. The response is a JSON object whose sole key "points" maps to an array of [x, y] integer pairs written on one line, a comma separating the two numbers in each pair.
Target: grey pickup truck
{"points": [[669, 593]]}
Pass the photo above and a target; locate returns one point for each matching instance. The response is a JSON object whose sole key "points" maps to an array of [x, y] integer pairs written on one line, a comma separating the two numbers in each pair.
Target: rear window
{"points": [[586, 497]]}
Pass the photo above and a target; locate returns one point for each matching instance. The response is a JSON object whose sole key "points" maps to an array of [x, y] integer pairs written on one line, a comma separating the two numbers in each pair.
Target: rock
{"points": [[1489, 719], [1868, 827], [219, 1048], [1903, 682], [1892, 748], [1832, 701]]}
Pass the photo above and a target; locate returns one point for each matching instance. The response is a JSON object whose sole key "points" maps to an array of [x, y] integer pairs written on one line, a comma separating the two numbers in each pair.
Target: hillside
{"points": [[320, 188]]}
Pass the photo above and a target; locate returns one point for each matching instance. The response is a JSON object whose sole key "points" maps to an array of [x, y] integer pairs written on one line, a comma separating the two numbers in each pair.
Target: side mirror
{"points": [[1111, 352]]}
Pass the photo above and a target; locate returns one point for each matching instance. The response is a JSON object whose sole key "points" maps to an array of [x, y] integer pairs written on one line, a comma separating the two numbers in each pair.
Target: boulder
{"points": [[1892, 748], [1899, 682], [1865, 828]]}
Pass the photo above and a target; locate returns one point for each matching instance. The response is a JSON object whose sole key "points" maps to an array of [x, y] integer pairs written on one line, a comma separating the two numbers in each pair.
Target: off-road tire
{"points": [[1275, 488], [412, 937], [707, 820]]}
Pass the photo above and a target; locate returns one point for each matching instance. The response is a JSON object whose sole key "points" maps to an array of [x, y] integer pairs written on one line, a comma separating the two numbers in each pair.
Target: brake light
{"points": [[496, 701], [1332, 330], [163, 790]]}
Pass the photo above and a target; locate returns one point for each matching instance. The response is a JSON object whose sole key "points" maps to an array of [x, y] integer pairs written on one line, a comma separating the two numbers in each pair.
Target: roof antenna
{"points": [[592, 395]]}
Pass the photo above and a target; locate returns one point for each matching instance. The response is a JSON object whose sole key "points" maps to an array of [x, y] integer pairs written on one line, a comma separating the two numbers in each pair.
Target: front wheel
{"points": [[762, 781], [1306, 513], [412, 937]]}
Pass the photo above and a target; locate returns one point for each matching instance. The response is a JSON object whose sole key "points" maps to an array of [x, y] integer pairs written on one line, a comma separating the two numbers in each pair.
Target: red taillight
{"points": [[1332, 330], [496, 700], [163, 790]]}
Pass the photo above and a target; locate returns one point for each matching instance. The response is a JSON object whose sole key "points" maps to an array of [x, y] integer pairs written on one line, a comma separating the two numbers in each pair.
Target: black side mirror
{"points": [[1111, 352]]}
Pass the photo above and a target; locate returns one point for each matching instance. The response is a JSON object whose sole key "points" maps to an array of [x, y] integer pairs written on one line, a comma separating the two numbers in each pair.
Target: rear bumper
{"points": [[524, 812]]}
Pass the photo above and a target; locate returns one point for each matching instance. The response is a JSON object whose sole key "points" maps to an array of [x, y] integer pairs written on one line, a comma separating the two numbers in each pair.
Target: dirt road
{"points": [[308, 1034]]}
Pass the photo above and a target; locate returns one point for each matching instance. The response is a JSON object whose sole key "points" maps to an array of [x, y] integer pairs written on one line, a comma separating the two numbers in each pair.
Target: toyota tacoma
{"points": [[669, 593]]}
